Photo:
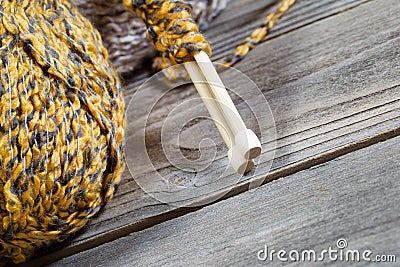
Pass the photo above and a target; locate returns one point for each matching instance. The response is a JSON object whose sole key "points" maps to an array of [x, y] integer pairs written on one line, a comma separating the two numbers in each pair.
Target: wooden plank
{"points": [[355, 197], [334, 91]]}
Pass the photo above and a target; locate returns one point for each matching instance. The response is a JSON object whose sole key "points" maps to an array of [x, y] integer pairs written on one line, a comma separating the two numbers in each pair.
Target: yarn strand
{"points": [[258, 35]]}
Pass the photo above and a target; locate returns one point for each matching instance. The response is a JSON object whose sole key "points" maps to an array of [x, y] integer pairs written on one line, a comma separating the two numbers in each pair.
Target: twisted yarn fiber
{"points": [[61, 125], [174, 33]]}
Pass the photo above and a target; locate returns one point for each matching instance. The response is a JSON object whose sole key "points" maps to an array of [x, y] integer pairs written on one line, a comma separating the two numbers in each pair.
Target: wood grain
{"points": [[332, 89], [354, 197]]}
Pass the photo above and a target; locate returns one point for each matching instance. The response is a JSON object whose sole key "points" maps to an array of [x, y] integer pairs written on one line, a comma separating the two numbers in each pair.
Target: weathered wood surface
{"points": [[330, 75], [355, 197]]}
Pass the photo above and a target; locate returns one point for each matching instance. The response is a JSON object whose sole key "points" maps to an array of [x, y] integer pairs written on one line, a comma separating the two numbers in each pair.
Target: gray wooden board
{"points": [[332, 88], [355, 197]]}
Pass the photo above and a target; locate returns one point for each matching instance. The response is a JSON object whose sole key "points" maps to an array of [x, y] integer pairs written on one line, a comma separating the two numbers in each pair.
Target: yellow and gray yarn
{"points": [[61, 125], [62, 115]]}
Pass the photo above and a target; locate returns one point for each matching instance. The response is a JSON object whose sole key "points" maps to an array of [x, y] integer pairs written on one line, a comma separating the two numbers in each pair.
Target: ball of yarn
{"points": [[61, 125]]}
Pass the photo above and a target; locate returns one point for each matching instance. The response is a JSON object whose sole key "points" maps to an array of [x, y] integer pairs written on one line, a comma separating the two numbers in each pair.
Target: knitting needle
{"points": [[246, 145], [244, 138], [238, 162]]}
